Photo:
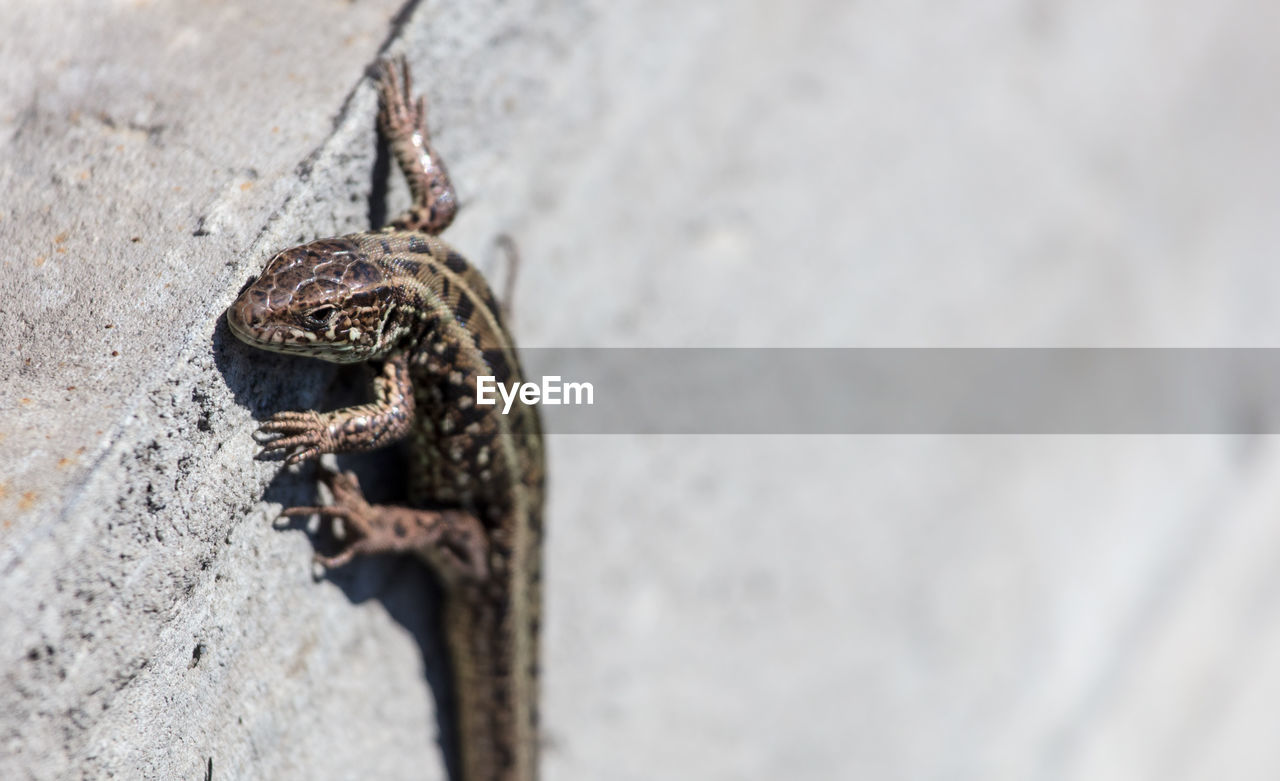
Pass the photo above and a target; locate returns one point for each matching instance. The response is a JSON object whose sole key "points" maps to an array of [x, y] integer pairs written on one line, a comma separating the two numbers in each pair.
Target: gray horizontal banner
{"points": [[906, 391]]}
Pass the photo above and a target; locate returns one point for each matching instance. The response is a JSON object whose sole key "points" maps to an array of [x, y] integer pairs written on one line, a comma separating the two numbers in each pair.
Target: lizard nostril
{"points": [[245, 316]]}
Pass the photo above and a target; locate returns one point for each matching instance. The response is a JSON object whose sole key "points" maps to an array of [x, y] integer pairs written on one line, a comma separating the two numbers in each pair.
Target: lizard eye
{"points": [[319, 316]]}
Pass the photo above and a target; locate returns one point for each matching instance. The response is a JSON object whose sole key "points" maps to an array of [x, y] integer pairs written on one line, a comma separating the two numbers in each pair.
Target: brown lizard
{"points": [[402, 297]]}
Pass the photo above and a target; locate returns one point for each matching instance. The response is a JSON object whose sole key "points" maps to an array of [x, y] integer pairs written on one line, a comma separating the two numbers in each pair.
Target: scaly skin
{"points": [[403, 298]]}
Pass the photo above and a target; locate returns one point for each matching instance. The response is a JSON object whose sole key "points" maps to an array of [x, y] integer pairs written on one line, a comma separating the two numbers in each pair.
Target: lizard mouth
{"points": [[293, 341], [282, 339], [259, 334], [239, 329]]}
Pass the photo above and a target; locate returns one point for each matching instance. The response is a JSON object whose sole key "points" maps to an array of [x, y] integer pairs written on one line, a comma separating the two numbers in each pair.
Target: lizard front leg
{"points": [[452, 541], [366, 427], [404, 121]]}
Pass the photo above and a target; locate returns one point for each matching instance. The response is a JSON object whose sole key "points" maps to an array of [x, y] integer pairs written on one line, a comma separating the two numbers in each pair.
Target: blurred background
{"points": [[991, 173]]}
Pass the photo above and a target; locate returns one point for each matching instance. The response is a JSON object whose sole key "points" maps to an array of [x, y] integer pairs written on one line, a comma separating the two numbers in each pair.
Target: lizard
{"points": [[400, 297]]}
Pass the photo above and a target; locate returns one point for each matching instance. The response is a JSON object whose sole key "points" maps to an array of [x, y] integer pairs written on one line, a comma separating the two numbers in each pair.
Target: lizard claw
{"points": [[345, 487], [349, 506], [400, 114], [307, 431]]}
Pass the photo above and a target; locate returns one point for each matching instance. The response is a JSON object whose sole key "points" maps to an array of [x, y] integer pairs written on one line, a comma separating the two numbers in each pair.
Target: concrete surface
{"points": [[751, 174]]}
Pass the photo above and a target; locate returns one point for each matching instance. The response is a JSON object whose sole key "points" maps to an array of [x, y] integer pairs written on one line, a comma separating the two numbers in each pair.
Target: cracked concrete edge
{"points": [[164, 626], [178, 467]]}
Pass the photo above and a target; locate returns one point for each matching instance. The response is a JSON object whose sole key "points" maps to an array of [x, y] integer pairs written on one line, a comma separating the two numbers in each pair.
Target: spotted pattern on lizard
{"points": [[404, 299]]}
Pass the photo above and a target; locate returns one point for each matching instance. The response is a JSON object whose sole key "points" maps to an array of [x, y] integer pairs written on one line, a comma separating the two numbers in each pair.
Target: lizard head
{"points": [[323, 300]]}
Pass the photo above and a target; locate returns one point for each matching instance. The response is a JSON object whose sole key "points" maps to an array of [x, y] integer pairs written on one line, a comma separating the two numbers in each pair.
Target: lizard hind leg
{"points": [[452, 541], [404, 122]]}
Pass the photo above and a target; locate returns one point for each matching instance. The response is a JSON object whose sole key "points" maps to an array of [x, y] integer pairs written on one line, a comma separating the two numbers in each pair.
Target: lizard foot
{"points": [[400, 114], [453, 542], [308, 431]]}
